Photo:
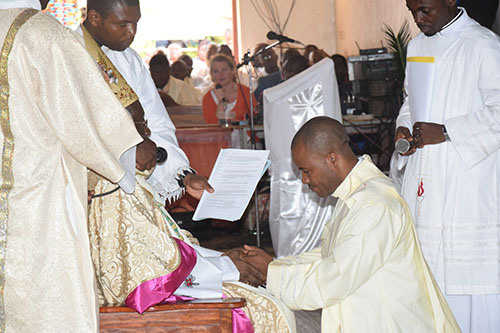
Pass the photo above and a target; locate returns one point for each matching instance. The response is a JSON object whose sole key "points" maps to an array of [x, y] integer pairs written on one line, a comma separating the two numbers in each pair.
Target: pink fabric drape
{"points": [[155, 291]]}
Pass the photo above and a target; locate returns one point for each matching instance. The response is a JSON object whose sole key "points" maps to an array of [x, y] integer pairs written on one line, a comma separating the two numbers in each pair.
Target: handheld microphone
{"points": [[283, 39], [219, 86], [402, 146], [161, 155]]}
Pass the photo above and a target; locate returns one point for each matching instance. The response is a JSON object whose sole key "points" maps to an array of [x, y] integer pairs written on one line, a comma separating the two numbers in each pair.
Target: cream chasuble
{"points": [[63, 118], [369, 274]]}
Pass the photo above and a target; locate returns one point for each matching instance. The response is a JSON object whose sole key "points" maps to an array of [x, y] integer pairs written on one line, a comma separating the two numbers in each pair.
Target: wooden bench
{"points": [[207, 315]]}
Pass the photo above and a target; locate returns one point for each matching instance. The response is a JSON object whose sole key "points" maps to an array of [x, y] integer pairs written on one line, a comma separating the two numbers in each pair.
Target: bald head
{"points": [[322, 135], [320, 150]]}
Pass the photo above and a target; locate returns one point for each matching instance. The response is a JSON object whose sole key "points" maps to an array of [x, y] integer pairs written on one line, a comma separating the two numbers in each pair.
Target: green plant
{"points": [[398, 45]]}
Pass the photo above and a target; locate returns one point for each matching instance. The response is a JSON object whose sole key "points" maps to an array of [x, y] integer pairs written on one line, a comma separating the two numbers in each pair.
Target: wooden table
{"points": [[209, 315]]}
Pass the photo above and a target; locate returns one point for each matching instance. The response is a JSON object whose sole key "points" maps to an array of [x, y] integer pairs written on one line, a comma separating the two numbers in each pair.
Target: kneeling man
{"points": [[369, 274]]}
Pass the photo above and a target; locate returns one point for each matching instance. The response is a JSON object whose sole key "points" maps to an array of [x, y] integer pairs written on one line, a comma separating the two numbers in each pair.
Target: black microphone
{"points": [[161, 155], [219, 86], [283, 39]]}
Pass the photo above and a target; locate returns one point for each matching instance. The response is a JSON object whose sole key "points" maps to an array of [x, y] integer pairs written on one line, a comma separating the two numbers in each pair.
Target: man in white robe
{"points": [[58, 117], [115, 41], [452, 115], [369, 274]]}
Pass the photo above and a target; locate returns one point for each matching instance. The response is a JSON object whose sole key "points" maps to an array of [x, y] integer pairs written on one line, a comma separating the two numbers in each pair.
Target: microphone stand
{"points": [[247, 59]]}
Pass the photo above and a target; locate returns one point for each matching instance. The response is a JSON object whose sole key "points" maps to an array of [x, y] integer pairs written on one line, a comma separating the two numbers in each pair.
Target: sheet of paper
{"points": [[421, 75], [234, 178]]}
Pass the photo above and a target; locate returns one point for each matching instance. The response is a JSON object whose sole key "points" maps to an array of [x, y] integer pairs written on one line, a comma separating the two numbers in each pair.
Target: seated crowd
{"points": [[214, 81]]}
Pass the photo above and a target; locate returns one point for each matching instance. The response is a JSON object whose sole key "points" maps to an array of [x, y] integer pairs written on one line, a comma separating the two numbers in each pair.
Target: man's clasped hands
{"points": [[252, 264]]}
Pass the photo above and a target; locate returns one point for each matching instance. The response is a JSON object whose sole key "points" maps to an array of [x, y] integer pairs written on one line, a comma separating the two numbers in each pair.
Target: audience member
{"points": [[211, 51], [173, 91], [174, 51], [344, 85], [189, 63], [272, 74], [159, 68], [201, 77], [227, 100], [293, 66], [224, 49], [316, 56], [179, 70], [287, 55], [369, 262], [308, 50]]}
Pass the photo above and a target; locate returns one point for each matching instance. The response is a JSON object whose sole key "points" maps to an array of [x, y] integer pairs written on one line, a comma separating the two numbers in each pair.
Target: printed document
{"points": [[234, 178]]}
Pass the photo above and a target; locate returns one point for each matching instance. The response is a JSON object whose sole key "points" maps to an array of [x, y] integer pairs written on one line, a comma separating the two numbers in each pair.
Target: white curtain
{"points": [[297, 215]]}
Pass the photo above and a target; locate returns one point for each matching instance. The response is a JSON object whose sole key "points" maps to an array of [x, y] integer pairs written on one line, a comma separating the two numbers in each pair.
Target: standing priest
{"points": [[452, 115]]}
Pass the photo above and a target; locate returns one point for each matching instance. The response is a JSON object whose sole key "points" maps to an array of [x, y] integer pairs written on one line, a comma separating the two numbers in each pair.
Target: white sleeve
{"points": [[127, 160], [162, 129], [404, 117], [476, 135], [224, 263], [211, 269]]}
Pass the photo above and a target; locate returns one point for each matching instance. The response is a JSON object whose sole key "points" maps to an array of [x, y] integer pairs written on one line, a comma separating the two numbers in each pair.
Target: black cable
{"points": [[105, 193]]}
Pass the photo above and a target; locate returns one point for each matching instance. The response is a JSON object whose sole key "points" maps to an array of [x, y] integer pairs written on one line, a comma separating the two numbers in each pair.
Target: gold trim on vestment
{"points": [[115, 80], [8, 148]]}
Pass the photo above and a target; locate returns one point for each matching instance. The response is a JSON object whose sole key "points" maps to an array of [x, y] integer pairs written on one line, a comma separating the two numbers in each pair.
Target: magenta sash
{"points": [[157, 290]]}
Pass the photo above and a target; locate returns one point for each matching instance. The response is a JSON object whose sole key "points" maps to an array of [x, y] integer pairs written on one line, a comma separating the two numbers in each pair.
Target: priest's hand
{"points": [[404, 133], [90, 194], [427, 134], [196, 184], [248, 273], [256, 257], [145, 156]]}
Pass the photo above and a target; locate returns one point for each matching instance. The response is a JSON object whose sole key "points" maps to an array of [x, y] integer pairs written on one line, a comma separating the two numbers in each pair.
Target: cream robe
{"points": [[457, 214], [63, 117], [182, 92], [369, 274]]}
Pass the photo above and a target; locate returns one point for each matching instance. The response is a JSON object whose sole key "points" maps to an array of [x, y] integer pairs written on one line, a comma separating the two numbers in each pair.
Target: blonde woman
{"points": [[227, 100]]}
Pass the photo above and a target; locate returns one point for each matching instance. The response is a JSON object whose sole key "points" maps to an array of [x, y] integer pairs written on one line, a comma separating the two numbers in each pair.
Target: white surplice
{"points": [[369, 274], [163, 179], [63, 118], [297, 215], [452, 187]]}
